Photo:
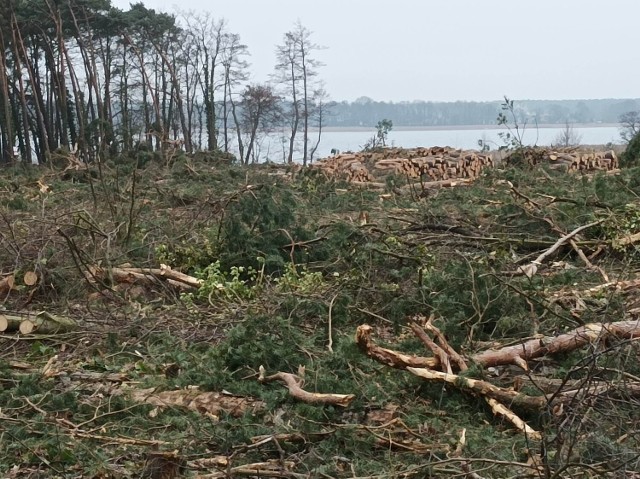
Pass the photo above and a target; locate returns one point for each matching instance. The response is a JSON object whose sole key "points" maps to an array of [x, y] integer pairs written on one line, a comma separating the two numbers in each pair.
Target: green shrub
{"points": [[631, 155]]}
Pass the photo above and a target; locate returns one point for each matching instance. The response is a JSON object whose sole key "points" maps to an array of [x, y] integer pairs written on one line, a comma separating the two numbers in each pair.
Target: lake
{"points": [[462, 137]]}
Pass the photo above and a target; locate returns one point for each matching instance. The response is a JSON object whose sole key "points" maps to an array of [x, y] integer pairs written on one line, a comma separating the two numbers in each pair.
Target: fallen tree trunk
{"points": [[517, 354], [271, 468], [549, 345]]}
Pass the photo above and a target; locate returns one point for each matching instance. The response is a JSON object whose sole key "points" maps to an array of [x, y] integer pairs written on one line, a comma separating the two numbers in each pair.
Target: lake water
{"points": [[345, 140]]}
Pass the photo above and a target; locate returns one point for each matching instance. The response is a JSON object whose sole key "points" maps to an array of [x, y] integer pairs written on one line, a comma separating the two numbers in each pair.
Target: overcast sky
{"points": [[447, 50]]}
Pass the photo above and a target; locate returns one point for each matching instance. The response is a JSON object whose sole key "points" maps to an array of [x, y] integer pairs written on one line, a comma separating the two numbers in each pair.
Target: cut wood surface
{"points": [[30, 278]]}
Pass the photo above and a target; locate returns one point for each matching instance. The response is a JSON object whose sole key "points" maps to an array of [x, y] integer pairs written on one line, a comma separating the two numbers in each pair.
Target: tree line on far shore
{"points": [[366, 112]]}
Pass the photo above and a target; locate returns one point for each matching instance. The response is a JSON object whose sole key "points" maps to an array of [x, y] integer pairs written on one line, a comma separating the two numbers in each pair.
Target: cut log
{"points": [[7, 283], [9, 323], [30, 278], [46, 323], [148, 276]]}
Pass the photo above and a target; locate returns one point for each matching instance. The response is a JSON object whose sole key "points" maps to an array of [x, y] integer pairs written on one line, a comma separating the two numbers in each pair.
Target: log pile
{"points": [[438, 164], [573, 160], [427, 164]]}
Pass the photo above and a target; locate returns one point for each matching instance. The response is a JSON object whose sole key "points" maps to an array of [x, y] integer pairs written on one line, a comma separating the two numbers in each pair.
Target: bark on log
{"points": [[535, 348], [46, 323], [148, 276]]}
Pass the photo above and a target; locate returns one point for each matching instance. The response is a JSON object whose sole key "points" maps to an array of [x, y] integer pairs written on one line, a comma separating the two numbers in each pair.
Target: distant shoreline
{"points": [[529, 127]]}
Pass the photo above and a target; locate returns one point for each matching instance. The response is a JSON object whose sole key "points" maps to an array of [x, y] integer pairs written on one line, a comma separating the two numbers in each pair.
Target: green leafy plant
{"points": [[383, 127], [516, 127], [235, 285]]}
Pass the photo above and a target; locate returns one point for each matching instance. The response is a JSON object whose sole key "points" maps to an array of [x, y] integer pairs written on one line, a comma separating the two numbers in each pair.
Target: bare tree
{"points": [[234, 75], [296, 69], [629, 125], [318, 116], [567, 137], [208, 34]]}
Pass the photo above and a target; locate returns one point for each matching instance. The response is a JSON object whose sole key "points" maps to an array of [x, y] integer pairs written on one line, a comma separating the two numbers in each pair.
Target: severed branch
{"points": [[440, 353], [453, 354], [293, 384], [271, 468], [532, 268], [494, 395], [517, 354], [387, 356], [490, 393]]}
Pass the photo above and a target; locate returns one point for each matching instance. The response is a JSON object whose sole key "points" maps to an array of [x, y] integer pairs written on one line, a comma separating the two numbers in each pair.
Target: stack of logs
{"points": [[574, 160], [446, 165], [438, 164], [429, 164]]}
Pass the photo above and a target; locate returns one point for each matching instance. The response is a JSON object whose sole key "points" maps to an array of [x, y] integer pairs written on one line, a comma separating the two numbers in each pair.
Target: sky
{"points": [[446, 50]]}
